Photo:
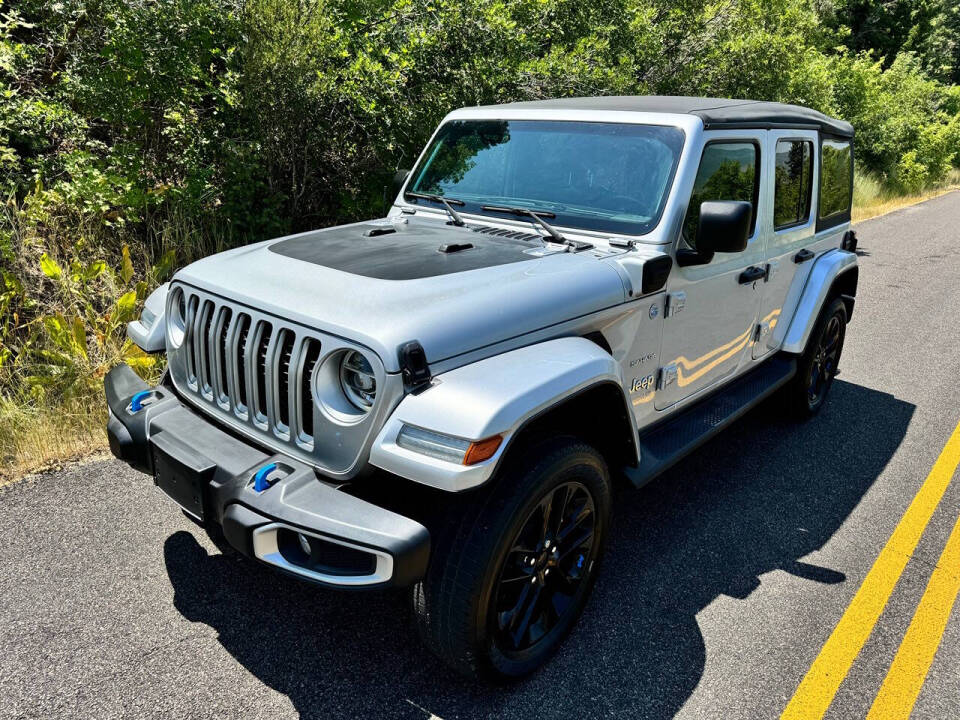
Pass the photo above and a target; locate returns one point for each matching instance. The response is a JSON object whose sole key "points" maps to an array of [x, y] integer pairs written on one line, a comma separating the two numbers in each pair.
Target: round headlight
{"points": [[358, 381]]}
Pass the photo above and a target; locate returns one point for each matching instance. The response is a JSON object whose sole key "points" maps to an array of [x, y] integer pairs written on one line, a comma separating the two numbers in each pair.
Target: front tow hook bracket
{"points": [[138, 401], [260, 481]]}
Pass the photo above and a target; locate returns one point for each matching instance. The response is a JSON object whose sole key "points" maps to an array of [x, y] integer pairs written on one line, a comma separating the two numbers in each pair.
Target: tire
{"points": [[470, 607], [817, 367]]}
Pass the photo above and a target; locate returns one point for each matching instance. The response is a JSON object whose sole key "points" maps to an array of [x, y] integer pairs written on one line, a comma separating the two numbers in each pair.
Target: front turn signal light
{"points": [[482, 450]]}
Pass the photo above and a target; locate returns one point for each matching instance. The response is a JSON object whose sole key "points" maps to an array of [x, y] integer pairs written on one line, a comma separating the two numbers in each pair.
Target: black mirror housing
{"points": [[399, 178], [724, 226]]}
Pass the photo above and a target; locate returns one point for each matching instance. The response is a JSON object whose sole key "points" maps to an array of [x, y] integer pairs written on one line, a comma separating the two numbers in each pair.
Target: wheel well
{"points": [[845, 286], [596, 415]]}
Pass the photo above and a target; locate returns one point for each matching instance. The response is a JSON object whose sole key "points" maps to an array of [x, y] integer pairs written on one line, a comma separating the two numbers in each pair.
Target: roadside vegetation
{"points": [[137, 135]]}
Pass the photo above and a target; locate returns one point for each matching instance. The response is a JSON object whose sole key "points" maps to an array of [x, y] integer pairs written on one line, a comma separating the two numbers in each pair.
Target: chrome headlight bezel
{"points": [[176, 318], [333, 394]]}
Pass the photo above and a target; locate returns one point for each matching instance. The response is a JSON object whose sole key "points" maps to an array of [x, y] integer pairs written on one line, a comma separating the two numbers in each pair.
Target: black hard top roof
{"points": [[715, 112]]}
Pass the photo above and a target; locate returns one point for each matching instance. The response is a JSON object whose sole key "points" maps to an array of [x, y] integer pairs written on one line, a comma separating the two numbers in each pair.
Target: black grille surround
{"points": [[256, 373]]}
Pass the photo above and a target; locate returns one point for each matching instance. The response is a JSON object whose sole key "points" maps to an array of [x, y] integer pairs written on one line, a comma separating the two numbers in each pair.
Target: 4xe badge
{"points": [[642, 383]]}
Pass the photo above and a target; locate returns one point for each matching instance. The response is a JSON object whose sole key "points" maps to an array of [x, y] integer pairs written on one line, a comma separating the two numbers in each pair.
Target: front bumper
{"points": [[289, 519]]}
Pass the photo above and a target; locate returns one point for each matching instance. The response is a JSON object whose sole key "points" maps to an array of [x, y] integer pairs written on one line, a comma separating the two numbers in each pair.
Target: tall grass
{"points": [[33, 437], [872, 197]]}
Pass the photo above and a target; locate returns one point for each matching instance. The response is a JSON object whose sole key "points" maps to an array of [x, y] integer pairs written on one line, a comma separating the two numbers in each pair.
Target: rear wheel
{"points": [[818, 365], [509, 578]]}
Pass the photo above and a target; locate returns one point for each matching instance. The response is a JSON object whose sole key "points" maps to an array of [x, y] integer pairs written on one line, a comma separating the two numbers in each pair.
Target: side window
{"points": [[728, 171], [792, 183], [836, 172]]}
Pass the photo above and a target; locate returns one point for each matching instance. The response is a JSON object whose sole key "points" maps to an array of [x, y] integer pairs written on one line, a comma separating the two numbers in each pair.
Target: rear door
{"points": [[790, 227]]}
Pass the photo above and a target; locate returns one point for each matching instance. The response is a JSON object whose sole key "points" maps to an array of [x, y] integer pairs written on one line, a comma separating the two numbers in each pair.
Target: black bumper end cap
{"points": [[122, 444], [239, 522]]}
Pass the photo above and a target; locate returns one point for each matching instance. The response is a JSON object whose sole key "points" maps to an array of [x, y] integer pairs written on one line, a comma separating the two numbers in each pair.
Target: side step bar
{"points": [[668, 442]]}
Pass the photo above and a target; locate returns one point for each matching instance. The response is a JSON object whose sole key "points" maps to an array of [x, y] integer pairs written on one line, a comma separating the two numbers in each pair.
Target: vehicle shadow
{"points": [[760, 497]]}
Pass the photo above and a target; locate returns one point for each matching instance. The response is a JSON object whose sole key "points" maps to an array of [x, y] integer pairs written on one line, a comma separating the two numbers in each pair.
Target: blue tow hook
{"points": [[260, 482], [136, 402]]}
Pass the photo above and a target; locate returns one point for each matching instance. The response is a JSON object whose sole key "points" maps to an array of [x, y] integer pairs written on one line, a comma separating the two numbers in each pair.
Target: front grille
{"points": [[256, 373], [261, 371]]}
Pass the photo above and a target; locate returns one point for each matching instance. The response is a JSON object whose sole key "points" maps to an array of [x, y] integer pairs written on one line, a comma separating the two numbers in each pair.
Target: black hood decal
{"points": [[411, 252]]}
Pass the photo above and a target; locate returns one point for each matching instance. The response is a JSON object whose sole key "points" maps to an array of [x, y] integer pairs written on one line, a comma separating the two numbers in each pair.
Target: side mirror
{"points": [[399, 178], [724, 226]]}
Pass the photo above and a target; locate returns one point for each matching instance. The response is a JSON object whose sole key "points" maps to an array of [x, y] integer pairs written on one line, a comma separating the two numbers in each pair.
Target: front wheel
{"points": [[510, 578]]}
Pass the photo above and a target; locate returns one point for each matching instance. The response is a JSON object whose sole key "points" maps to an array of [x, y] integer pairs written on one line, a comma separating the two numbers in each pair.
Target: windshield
{"points": [[609, 177]]}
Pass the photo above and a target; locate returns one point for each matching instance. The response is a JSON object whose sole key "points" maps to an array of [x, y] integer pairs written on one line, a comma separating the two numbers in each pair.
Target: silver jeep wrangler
{"points": [[565, 294]]}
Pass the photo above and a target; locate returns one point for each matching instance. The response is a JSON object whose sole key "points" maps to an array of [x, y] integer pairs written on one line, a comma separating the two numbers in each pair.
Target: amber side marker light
{"points": [[482, 450]]}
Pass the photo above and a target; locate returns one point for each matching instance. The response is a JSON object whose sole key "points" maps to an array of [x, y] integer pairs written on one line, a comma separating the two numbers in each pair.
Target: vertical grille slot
{"points": [[309, 355], [221, 377], [203, 346], [191, 341], [238, 357], [283, 369], [260, 377]]}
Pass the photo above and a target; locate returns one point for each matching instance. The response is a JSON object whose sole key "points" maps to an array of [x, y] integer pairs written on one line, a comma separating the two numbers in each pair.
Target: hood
{"points": [[384, 283]]}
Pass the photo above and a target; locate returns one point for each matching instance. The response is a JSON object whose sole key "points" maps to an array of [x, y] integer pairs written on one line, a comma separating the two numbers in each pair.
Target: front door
{"points": [[712, 308]]}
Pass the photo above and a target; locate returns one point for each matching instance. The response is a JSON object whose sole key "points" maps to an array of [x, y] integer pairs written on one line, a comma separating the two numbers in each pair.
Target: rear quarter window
{"points": [[836, 181]]}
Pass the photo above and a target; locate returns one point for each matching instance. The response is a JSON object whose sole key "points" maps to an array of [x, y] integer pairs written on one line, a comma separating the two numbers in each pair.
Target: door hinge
{"points": [[674, 303], [763, 329], [771, 270], [667, 376]]}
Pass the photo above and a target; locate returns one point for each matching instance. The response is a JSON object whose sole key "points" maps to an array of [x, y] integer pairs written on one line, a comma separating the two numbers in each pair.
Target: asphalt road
{"points": [[722, 580]]}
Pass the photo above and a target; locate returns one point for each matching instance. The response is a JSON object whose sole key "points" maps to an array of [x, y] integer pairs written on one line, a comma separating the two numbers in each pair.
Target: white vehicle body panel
{"points": [[825, 270], [490, 397]]}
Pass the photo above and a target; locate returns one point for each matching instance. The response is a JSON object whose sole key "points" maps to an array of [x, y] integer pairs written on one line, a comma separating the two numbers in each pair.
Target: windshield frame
{"points": [[474, 209]]}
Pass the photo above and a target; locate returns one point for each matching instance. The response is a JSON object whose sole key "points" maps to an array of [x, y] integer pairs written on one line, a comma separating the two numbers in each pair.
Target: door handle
{"points": [[752, 274], [803, 256]]}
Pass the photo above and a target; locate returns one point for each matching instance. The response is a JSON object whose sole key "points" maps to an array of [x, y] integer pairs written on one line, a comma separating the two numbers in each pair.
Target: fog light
{"points": [[304, 543]]}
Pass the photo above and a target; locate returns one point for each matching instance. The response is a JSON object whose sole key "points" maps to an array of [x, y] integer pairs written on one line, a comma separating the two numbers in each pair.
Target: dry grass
{"points": [[871, 200], [35, 439]]}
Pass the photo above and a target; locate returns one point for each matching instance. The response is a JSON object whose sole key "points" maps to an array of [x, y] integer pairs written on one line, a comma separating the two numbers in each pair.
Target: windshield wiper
{"points": [[447, 203], [537, 216]]}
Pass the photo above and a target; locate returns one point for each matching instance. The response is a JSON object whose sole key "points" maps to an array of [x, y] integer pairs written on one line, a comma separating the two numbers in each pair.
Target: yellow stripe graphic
{"points": [[684, 380], [820, 685], [905, 678], [691, 364]]}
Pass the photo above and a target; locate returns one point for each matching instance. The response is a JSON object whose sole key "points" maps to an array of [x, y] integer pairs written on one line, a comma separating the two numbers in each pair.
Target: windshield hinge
{"points": [[675, 303]]}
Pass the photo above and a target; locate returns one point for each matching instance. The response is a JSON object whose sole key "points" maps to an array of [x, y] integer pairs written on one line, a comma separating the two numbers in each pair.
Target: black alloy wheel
{"points": [[806, 393], [543, 574], [512, 568], [825, 358]]}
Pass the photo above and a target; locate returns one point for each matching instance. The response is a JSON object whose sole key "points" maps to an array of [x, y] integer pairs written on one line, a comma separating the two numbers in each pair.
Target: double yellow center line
{"points": [[910, 666]]}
